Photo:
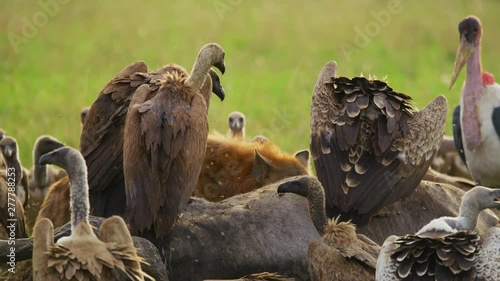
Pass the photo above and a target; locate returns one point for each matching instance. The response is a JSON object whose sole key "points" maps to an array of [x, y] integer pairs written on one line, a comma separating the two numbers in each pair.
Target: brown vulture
{"points": [[166, 132], [370, 147], [101, 142]]}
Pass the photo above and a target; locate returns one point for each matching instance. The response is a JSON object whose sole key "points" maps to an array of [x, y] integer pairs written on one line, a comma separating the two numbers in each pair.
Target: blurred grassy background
{"points": [[274, 51]]}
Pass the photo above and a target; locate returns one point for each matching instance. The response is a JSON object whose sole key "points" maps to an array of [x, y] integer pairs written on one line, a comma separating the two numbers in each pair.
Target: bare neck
{"points": [[13, 165], [316, 198], [199, 71], [79, 197], [471, 95], [468, 215]]}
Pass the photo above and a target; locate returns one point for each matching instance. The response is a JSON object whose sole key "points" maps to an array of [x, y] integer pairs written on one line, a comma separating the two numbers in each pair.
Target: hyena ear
{"points": [[261, 168], [303, 157]]}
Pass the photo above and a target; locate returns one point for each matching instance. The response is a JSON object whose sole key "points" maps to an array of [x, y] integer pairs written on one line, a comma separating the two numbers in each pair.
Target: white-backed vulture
{"points": [[236, 123], [370, 147], [342, 254], [165, 137], [101, 142], [263, 276], [476, 121], [42, 176], [14, 172], [82, 256], [447, 248], [56, 205]]}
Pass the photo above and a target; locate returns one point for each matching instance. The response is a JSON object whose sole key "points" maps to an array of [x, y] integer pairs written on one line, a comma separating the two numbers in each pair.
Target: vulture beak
{"points": [[221, 66], [46, 159], [216, 85], [220, 93], [465, 50], [292, 186]]}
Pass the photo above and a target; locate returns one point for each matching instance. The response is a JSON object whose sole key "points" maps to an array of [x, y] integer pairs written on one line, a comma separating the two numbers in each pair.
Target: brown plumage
{"points": [[83, 256], [11, 213], [233, 167], [343, 255], [166, 133], [83, 114], [236, 123], [2, 162], [101, 142], [56, 207], [370, 147], [14, 171]]}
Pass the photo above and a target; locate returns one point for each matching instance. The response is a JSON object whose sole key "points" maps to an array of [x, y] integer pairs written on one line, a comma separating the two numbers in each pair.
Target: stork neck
{"points": [[79, 192], [471, 95], [316, 198]]}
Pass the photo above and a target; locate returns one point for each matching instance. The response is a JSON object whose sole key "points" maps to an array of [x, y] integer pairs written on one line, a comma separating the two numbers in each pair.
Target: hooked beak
{"points": [[220, 93], [221, 66], [46, 159], [465, 51]]}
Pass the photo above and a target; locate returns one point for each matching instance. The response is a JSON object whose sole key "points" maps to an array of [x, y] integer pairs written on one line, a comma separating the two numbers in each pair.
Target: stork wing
{"points": [[457, 134]]}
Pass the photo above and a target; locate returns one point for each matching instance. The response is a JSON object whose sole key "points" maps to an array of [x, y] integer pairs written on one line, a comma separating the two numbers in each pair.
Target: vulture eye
{"points": [[241, 119]]}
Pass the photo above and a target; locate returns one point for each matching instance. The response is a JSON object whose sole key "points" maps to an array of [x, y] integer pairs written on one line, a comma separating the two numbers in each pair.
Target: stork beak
{"points": [[465, 50]]}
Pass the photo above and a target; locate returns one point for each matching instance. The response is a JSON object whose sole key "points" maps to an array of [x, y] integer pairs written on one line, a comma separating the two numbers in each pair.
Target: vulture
{"points": [[82, 255], [42, 176], [14, 172], [447, 248], [476, 121], [165, 137], [342, 254], [448, 161], [370, 147], [236, 122], [101, 142]]}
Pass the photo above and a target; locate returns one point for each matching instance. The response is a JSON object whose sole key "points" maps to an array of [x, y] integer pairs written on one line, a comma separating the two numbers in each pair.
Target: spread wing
{"points": [[164, 149], [367, 144]]}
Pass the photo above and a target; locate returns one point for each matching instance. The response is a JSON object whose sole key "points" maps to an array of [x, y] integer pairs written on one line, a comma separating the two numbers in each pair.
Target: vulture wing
{"points": [[164, 149], [370, 149]]}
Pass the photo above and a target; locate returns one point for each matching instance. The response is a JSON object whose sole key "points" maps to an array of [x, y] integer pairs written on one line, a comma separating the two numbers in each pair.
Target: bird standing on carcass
{"points": [[165, 137], [370, 148], [476, 122]]}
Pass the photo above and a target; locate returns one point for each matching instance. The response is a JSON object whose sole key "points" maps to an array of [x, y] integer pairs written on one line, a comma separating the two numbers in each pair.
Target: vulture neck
{"points": [[13, 163], [471, 95], [79, 191], [316, 198], [40, 171], [199, 71], [468, 215]]}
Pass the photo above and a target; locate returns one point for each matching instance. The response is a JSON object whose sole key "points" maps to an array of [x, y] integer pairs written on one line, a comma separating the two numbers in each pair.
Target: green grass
{"points": [[274, 51]]}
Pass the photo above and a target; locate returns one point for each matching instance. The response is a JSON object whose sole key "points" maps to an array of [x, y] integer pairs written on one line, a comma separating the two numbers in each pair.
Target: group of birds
{"points": [[143, 145]]}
